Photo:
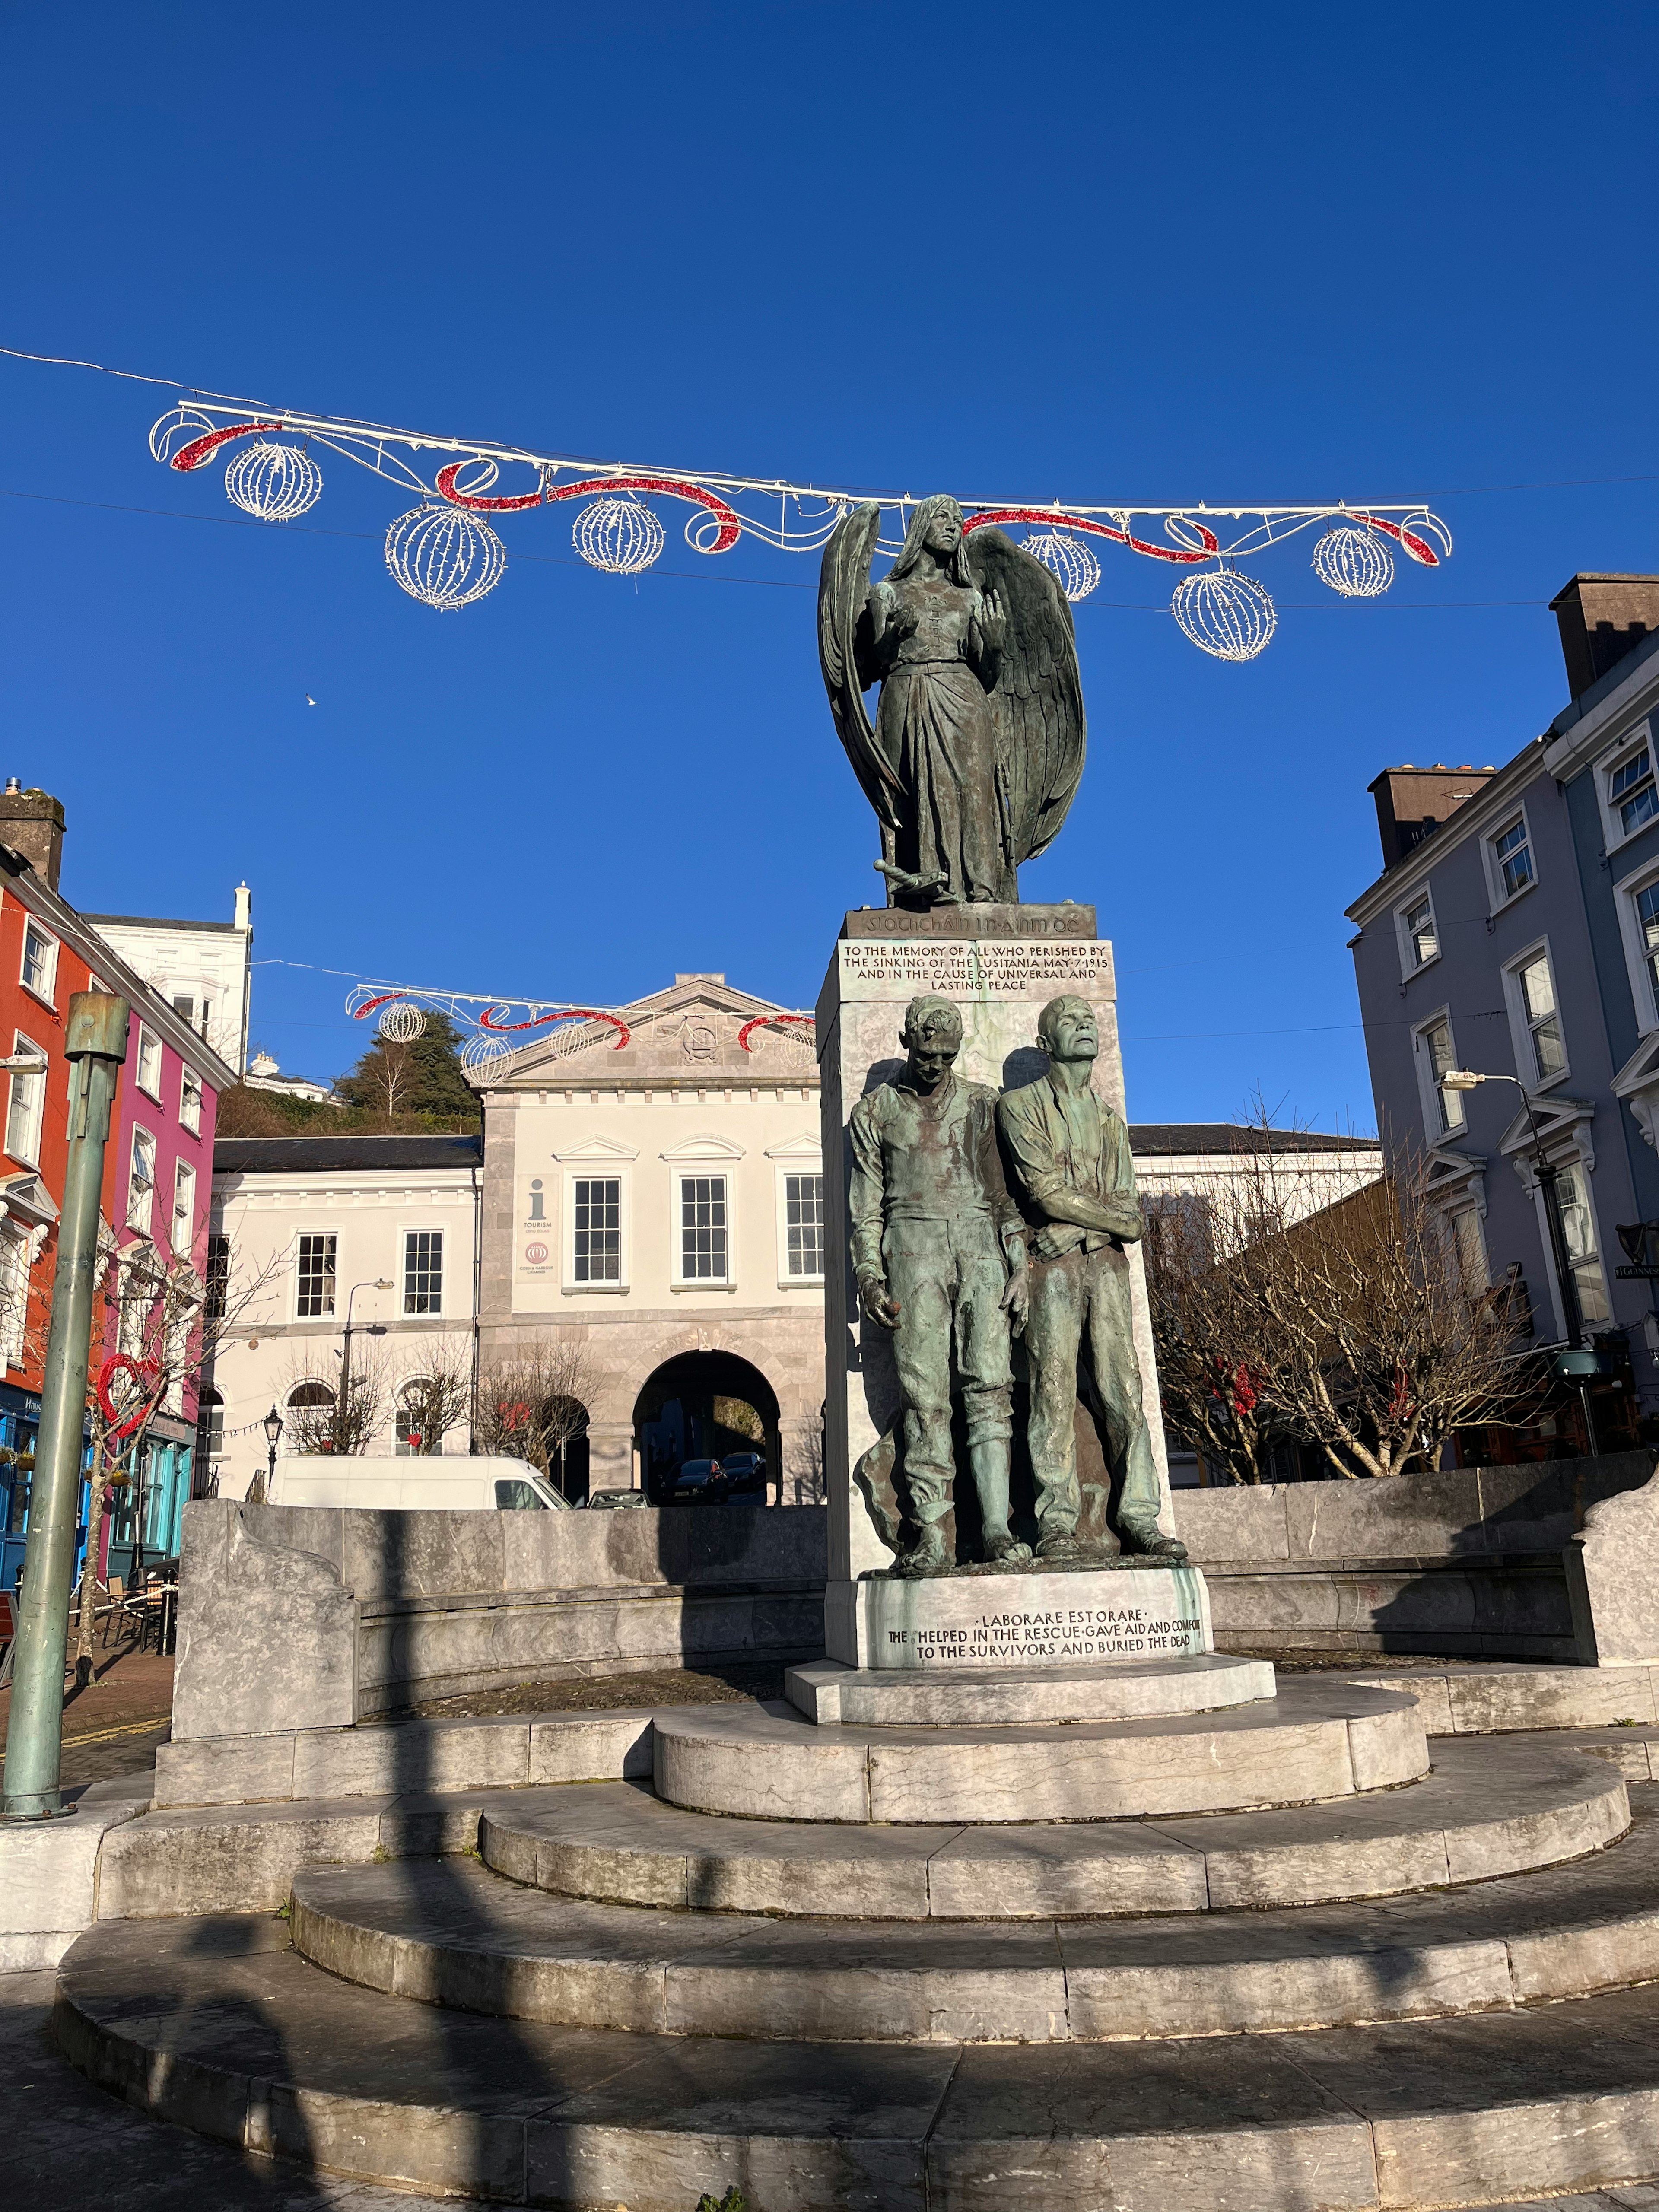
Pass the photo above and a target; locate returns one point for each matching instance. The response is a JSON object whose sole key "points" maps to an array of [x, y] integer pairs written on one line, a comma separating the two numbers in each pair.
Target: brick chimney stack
{"points": [[1412, 802], [31, 823], [1600, 619]]}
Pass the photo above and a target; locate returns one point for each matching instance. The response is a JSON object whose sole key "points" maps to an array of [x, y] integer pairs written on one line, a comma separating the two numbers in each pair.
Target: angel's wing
{"points": [[843, 652], [1041, 732]]}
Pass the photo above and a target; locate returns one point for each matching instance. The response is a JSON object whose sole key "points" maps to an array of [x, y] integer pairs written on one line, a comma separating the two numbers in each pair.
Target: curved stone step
{"points": [[220, 2027], [952, 1696], [1491, 1805], [1315, 1740], [454, 1934]]}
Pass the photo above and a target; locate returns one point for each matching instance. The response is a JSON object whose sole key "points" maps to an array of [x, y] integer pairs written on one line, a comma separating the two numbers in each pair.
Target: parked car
{"points": [[745, 1474], [484, 1485], [615, 1501], [698, 1482]]}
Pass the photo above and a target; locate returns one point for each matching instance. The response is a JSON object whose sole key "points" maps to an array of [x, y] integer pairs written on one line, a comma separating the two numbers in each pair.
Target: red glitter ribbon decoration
{"points": [[549, 495]]}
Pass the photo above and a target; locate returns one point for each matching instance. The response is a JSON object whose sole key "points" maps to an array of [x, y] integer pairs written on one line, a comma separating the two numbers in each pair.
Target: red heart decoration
{"points": [[145, 1373]]}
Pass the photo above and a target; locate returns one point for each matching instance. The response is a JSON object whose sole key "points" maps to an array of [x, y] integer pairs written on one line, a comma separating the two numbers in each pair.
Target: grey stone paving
{"points": [[68, 2146]]}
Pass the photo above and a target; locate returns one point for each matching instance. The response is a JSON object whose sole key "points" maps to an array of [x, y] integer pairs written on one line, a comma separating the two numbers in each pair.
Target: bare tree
{"points": [[533, 1403], [1382, 1346], [322, 1419], [435, 1391], [1213, 1356], [162, 1324], [1350, 1327]]}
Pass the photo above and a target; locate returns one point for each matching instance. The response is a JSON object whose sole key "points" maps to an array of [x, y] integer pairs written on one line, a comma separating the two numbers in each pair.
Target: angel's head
{"points": [[936, 527]]}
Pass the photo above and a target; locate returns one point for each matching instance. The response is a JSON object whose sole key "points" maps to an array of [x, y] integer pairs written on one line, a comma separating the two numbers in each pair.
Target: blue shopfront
{"points": [[152, 1503], [20, 1423]]}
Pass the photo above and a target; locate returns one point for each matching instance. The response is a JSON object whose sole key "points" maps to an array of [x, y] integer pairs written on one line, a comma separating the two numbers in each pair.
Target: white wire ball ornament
{"points": [[275, 482], [401, 1025], [1225, 614], [444, 556], [484, 1051], [621, 536], [1353, 561], [1074, 563]]}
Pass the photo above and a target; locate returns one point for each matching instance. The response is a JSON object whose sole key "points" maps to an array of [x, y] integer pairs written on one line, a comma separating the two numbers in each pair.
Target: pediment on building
{"points": [[597, 1148], [701, 1032], [1638, 1084], [804, 1148], [1451, 1177], [25, 1198], [693, 1149], [1565, 1129]]}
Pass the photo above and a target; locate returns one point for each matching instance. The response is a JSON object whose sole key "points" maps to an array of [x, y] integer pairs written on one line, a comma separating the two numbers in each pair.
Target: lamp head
{"points": [[272, 1426]]}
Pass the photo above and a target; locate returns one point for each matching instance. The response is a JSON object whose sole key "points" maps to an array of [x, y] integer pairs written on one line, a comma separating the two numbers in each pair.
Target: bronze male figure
{"points": [[938, 1249], [1075, 1180]]}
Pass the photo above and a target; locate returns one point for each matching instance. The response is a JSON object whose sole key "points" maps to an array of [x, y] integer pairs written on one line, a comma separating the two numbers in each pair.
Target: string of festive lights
{"points": [[494, 1027], [446, 554]]}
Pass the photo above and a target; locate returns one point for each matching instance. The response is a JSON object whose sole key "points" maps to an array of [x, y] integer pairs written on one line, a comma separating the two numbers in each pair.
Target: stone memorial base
{"points": [[970, 1696], [1024, 1619], [1000, 965]]}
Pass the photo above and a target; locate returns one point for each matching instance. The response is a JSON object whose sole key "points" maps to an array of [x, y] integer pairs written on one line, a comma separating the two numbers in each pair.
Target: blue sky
{"points": [[1092, 253]]}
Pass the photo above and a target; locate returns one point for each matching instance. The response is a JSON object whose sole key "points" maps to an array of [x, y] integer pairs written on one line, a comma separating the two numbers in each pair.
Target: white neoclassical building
{"points": [[313, 1233]]}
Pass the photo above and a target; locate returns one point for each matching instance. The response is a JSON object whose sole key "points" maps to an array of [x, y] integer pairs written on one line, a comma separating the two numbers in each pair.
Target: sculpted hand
{"points": [[879, 1301], [1016, 1298], [992, 621]]}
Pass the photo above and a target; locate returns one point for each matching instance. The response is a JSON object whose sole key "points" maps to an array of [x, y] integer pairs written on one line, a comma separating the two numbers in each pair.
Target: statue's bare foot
{"points": [[1148, 1541], [1004, 1545], [1059, 1548], [926, 1556]]}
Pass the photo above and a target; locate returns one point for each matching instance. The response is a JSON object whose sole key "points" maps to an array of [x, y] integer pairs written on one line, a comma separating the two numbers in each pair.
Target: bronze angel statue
{"points": [[977, 745]]}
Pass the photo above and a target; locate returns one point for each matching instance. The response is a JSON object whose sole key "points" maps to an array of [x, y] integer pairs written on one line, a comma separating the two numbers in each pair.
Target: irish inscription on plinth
{"points": [[1034, 1620]]}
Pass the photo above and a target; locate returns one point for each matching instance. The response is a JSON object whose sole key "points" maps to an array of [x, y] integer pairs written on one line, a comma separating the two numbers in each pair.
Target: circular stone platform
{"points": [[980, 1697], [1489, 1808], [1315, 1740]]}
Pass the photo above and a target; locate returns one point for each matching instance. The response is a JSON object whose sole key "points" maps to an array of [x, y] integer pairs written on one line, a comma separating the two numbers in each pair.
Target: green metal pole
{"points": [[96, 1040]]}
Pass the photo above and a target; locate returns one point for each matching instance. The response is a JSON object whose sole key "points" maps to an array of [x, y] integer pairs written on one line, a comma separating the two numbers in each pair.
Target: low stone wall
{"points": [[1479, 1563], [295, 1618]]}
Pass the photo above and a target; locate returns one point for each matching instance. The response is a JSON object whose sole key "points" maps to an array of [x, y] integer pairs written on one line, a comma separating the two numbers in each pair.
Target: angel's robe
{"points": [[936, 725]]}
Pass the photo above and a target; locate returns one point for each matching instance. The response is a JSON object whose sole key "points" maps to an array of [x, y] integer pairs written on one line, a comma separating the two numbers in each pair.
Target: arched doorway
{"points": [[699, 1406]]}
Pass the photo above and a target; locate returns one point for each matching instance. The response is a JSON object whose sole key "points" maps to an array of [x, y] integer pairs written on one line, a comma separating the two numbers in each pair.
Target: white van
{"points": [[419, 1482]]}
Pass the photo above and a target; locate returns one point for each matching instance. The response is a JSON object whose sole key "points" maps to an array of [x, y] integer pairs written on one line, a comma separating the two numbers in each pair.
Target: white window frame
{"points": [[333, 1314], [1613, 833], [1429, 1091], [1410, 965], [141, 1213], [1521, 1040], [1468, 1218], [190, 1101], [684, 1171], [595, 1170], [1643, 989], [704, 1155], [184, 1181], [1497, 898], [20, 1080], [1572, 1163], [803, 1157], [148, 1042], [406, 1229], [48, 997]]}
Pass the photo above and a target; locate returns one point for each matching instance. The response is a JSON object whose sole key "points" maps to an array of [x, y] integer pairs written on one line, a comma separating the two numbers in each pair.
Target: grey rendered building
{"points": [[1514, 931]]}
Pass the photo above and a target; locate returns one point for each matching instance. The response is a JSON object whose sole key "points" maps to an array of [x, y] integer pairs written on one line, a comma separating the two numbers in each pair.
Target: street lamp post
{"points": [[272, 1426], [95, 1042], [343, 1403], [1576, 1364]]}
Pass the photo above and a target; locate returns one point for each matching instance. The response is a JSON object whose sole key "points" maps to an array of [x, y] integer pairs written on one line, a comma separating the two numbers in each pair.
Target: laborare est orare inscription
{"points": [[1048, 1634]]}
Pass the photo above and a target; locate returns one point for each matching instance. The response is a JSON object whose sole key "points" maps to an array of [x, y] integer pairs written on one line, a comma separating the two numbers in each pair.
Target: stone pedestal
{"points": [[1000, 965]]}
